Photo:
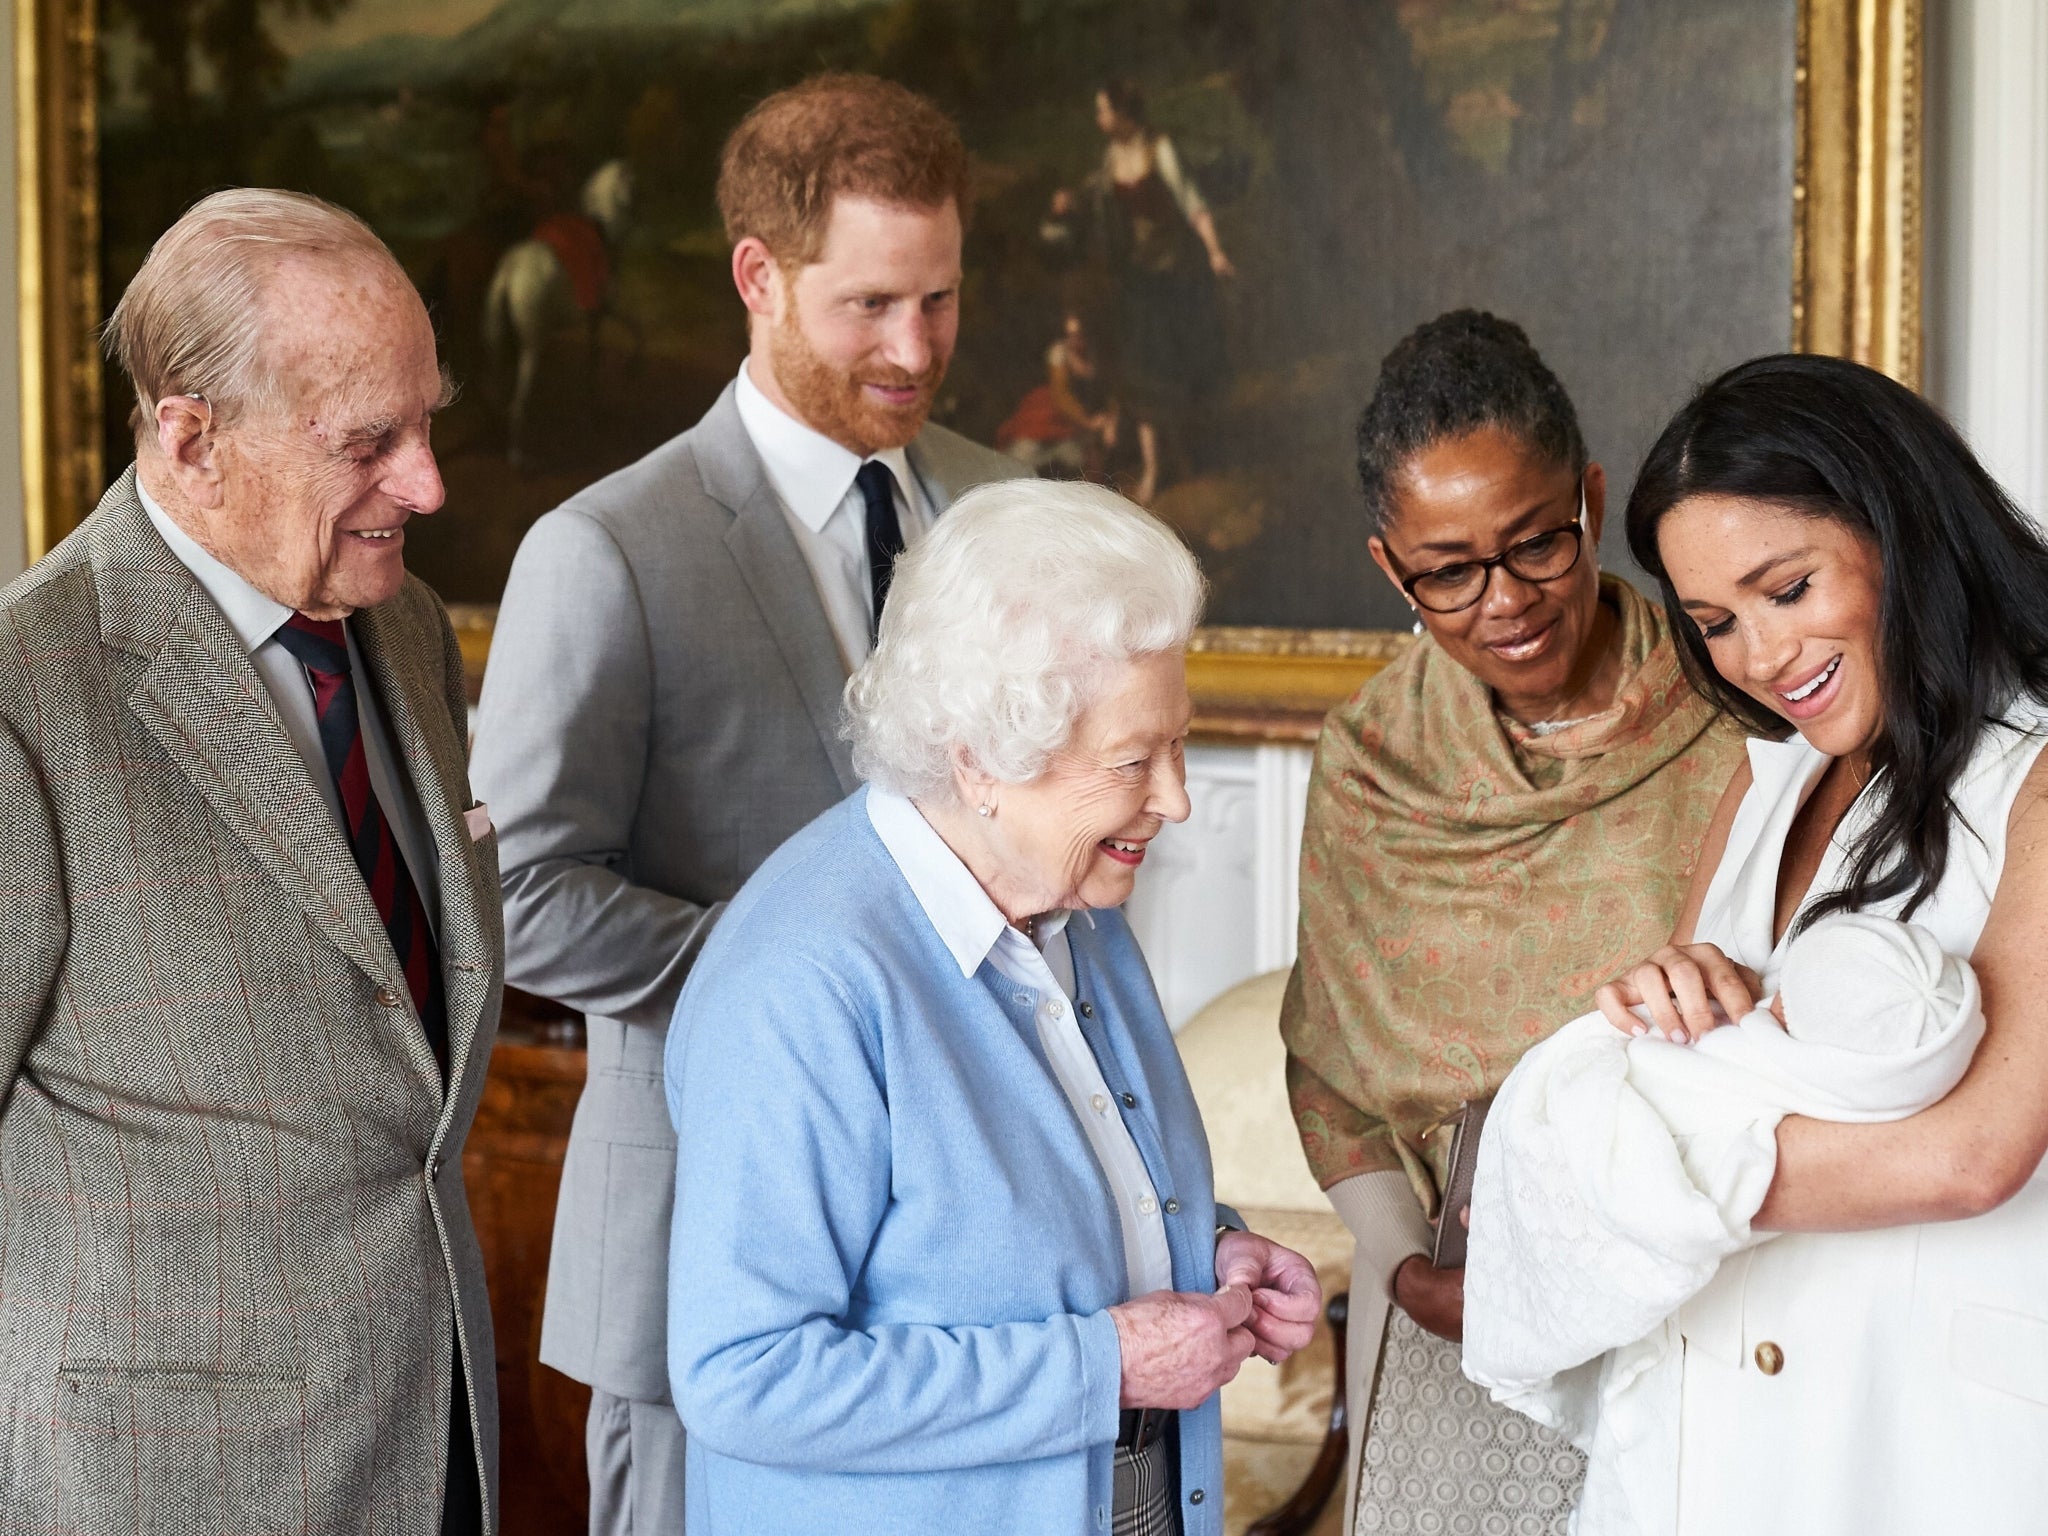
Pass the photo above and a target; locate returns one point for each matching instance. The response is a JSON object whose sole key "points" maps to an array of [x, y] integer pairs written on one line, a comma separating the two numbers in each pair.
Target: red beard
{"points": [[835, 403]]}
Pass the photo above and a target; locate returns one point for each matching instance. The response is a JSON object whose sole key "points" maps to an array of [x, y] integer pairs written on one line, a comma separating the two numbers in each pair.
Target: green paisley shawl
{"points": [[1466, 885]]}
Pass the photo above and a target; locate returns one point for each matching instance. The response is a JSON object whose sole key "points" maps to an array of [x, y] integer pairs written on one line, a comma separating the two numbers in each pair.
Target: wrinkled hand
{"points": [[1680, 984], [1286, 1296], [1179, 1348], [1434, 1297]]}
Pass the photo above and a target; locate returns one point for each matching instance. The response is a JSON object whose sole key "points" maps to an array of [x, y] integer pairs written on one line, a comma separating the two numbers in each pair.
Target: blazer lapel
{"points": [[777, 575], [200, 697], [202, 700], [434, 762], [940, 491]]}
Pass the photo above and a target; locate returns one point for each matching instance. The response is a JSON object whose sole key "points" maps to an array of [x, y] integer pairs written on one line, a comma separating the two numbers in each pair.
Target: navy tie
{"points": [[321, 646], [885, 534]]}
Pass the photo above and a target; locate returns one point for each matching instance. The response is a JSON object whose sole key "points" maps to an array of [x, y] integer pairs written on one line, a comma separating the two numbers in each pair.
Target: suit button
{"points": [[1769, 1358], [434, 1168], [386, 998]]}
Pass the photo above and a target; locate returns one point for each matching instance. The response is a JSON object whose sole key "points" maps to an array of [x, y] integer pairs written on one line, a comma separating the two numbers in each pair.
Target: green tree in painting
{"points": [[221, 41]]}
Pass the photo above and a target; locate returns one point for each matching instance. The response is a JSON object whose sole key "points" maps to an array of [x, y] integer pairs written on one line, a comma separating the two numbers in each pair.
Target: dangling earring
{"points": [[1417, 611]]}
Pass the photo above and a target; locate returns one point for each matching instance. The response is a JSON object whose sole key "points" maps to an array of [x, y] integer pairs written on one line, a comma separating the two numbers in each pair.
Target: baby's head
{"points": [[1867, 983]]}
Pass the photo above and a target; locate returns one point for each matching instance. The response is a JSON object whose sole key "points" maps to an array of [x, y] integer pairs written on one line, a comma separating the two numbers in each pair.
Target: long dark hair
{"points": [[1963, 610]]}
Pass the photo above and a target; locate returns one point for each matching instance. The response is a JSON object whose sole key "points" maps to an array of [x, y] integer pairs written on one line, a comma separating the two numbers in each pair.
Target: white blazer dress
{"points": [[1854, 1384]]}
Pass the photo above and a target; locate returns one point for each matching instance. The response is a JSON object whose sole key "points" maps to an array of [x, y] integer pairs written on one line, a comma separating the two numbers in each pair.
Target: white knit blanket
{"points": [[1614, 1176]]}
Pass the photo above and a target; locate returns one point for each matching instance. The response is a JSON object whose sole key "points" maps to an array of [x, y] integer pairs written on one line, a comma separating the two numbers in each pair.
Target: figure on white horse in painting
{"points": [[557, 280]]}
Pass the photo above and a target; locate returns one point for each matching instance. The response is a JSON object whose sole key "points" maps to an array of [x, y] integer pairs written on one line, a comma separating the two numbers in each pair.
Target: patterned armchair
{"points": [[1284, 1440]]}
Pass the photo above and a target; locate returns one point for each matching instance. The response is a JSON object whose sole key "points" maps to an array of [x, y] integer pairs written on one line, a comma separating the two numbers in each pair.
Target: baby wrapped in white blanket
{"points": [[1615, 1175]]}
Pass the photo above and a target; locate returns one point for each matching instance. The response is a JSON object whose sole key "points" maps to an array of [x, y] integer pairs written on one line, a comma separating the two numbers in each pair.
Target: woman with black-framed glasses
{"points": [[1536, 560], [1495, 825]]}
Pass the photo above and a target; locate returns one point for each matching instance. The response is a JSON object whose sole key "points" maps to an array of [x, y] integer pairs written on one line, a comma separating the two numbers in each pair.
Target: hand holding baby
{"points": [[1854, 980], [1679, 986]]}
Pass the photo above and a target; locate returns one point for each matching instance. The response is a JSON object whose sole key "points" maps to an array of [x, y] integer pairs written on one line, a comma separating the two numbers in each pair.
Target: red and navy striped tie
{"points": [[321, 646]]}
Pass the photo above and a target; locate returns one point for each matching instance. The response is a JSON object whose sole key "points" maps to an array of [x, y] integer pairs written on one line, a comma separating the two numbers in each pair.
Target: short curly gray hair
{"points": [[1002, 625]]}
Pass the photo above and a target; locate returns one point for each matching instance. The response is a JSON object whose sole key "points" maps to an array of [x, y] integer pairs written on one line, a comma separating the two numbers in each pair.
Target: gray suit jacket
{"points": [[660, 712], [235, 1252]]}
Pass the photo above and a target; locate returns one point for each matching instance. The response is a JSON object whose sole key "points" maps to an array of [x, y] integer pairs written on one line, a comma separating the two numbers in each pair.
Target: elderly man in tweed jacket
{"points": [[250, 946]]}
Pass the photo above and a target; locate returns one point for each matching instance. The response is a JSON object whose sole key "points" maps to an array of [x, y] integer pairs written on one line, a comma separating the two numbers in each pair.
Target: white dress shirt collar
{"points": [[969, 924], [811, 473], [252, 616], [256, 619]]}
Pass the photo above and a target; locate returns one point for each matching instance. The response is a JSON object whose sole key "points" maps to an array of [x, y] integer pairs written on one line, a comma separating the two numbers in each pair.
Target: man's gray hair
{"points": [[1003, 625], [192, 319]]}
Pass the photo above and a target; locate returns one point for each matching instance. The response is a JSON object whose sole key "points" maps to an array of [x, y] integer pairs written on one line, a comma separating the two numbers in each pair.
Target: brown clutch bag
{"points": [[1449, 1252]]}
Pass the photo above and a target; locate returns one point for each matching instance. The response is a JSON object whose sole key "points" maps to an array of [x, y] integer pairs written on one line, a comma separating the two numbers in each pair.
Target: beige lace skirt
{"points": [[1442, 1459]]}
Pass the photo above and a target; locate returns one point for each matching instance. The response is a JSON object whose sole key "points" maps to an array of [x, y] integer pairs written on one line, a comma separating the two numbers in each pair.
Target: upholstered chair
{"points": [[1283, 1448]]}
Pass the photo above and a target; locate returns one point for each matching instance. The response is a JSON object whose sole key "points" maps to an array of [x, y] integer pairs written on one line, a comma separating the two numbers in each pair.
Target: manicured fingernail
{"points": [[1640, 1029]]}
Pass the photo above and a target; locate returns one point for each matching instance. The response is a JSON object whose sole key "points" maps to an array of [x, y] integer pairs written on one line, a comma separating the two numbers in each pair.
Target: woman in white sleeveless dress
{"points": [[1837, 561]]}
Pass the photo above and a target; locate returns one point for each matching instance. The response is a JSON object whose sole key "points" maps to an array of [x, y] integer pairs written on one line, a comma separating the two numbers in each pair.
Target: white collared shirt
{"points": [[974, 929], [813, 477], [256, 619]]}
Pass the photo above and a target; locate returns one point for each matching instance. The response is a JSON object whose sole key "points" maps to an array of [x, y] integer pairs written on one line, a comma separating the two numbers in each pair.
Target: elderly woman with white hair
{"points": [[946, 1256]]}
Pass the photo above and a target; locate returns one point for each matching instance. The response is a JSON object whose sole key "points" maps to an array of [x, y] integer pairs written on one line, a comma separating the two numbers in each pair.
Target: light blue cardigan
{"points": [[893, 1249]]}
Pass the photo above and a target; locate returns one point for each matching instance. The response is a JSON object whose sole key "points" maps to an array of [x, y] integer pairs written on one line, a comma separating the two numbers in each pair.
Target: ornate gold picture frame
{"points": [[1856, 261]]}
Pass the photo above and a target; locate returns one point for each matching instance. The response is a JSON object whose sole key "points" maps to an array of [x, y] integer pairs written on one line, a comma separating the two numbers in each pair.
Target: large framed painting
{"points": [[1654, 188]]}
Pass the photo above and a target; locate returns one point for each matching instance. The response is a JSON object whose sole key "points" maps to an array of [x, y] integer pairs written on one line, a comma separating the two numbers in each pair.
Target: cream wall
{"points": [[1987, 233]]}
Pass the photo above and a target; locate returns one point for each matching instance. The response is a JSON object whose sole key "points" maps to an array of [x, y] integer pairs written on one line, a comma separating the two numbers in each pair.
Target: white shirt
{"points": [[256, 619], [974, 929], [813, 476]]}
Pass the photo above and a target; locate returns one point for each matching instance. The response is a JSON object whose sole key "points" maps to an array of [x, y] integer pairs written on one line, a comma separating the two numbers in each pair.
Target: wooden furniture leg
{"points": [[1303, 1509], [513, 1166]]}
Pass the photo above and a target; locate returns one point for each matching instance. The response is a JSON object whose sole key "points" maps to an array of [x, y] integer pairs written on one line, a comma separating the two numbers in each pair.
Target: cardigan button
{"points": [[1769, 1358], [1087, 1010], [1173, 1207], [1130, 1101], [1195, 1497]]}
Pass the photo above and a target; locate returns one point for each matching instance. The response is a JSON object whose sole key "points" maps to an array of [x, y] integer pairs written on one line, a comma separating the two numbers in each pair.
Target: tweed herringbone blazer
{"points": [[236, 1261]]}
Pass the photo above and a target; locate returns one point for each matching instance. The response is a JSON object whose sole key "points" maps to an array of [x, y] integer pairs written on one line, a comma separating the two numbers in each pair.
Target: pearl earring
{"points": [[984, 810]]}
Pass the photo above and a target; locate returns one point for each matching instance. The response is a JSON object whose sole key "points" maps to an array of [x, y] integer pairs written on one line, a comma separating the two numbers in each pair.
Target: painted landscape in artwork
{"points": [[545, 169]]}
